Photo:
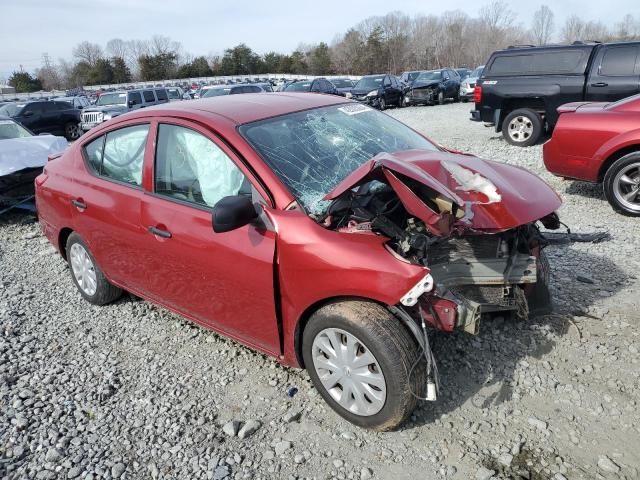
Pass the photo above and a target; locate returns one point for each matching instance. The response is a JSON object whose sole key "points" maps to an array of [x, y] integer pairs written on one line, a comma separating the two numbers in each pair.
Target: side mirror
{"points": [[233, 212], [131, 103]]}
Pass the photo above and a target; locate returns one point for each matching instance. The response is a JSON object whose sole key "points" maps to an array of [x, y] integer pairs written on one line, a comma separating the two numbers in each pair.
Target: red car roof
{"points": [[250, 107]]}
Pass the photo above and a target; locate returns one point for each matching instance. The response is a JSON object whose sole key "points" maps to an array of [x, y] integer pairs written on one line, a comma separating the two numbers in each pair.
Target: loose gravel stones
{"points": [[131, 391]]}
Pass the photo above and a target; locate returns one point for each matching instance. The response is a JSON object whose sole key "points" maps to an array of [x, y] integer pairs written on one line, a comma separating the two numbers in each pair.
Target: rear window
{"points": [[162, 94], [567, 62], [148, 96]]}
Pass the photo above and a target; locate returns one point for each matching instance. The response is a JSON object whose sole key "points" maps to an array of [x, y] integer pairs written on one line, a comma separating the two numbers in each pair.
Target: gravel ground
{"points": [[132, 391]]}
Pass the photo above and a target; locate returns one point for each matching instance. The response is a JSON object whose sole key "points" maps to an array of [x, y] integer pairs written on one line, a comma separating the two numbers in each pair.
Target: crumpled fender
{"points": [[491, 196]]}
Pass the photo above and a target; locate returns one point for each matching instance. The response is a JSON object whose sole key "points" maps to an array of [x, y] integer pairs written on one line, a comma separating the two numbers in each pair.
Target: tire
{"points": [[400, 103], [441, 97], [622, 185], [72, 131], [382, 104], [522, 127], [95, 288], [464, 100], [394, 351]]}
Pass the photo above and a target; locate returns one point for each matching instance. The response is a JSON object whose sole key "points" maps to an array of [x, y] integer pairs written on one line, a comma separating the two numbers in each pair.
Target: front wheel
{"points": [[382, 104], [622, 185], [522, 127], [440, 97], [360, 359], [87, 275]]}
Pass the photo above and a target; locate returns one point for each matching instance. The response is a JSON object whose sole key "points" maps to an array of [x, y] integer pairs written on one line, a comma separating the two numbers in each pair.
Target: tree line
{"points": [[391, 43]]}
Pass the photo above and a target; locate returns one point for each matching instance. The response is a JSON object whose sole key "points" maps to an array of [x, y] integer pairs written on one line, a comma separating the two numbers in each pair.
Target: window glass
{"points": [[312, 151], [148, 96], [135, 97], [162, 94], [93, 154], [619, 61], [253, 89], [192, 168], [387, 82], [549, 62], [124, 154]]}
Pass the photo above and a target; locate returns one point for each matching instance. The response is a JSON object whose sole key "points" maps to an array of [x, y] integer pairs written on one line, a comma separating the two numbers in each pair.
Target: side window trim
{"points": [[104, 138], [254, 179]]}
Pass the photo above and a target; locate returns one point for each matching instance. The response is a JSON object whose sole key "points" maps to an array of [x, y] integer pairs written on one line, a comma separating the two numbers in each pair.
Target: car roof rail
{"points": [[521, 46], [585, 42]]}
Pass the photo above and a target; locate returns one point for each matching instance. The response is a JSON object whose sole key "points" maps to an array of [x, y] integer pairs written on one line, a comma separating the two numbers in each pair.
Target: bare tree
{"points": [[88, 52], [573, 29], [117, 47], [628, 28], [542, 25]]}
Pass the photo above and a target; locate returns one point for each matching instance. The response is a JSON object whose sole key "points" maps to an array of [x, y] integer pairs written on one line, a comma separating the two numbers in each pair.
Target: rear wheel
{"points": [[86, 273], [359, 357], [522, 127], [622, 185], [72, 131]]}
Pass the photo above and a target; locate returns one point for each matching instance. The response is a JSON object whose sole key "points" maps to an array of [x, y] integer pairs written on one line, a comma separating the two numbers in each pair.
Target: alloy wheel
{"points": [[83, 269], [72, 132], [349, 371], [626, 187], [520, 128]]}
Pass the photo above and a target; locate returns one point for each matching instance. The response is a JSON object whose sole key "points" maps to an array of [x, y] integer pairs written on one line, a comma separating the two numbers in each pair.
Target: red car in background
{"points": [[600, 142], [311, 228]]}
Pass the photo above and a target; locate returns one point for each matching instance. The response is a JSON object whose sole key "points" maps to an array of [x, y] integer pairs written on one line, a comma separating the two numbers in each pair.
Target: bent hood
{"points": [[453, 192], [30, 152], [432, 84]]}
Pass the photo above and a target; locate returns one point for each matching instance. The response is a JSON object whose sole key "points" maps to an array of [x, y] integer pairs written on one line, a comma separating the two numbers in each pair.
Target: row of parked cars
{"points": [[585, 95]]}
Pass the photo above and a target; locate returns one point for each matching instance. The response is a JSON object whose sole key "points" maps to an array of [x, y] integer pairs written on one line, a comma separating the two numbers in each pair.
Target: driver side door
{"points": [[221, 280]]}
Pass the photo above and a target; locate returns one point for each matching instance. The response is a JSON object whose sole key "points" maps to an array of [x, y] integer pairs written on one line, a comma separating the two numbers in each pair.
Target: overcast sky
{"points": [[28, 28]]}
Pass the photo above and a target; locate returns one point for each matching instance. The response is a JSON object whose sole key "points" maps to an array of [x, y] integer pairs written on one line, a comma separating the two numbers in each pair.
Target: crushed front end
{"points": [[463, 219]]}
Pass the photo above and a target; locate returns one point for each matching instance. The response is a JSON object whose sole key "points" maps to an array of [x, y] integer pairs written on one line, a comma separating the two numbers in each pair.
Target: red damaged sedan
{"points": [[600, 142], [308, 227]]}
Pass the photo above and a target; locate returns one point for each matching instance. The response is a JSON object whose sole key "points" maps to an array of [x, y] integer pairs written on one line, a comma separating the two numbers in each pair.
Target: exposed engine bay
{"points": [[475, 272]]}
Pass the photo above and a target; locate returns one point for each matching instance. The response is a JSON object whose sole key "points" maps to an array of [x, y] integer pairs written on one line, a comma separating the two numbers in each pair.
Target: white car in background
{"points": [[22, 157], [468, 85]]}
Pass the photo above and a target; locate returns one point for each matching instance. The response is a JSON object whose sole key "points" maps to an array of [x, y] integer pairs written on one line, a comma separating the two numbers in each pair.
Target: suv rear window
{"points": [[540, 63], [148, 96], [162, 94]]}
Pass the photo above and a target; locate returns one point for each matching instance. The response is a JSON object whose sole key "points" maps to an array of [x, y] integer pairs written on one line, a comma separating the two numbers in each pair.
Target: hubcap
{"points": [[626, 187], [520, 128], [349, 372], [83, 269]]}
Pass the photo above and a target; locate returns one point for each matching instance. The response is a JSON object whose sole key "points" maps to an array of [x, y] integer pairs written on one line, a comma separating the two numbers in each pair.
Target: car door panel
{"points": [[223, 280], [615, 74]]}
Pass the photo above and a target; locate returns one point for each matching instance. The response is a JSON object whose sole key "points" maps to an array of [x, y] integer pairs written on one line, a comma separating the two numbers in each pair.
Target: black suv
{"points": [[434, 86], [44, 116], [317, 85], [379, 91], [521, 88]]}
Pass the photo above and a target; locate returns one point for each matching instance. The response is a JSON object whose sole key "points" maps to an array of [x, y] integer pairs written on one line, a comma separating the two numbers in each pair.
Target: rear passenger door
{"points": [[615, 73]]}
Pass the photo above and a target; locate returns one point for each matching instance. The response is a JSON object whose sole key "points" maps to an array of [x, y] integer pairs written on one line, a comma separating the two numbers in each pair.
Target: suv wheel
{"points": [[522, 127], [86, 273], [440, 97], [622, 185], [382, 104], [72, 131], [360, 359]]}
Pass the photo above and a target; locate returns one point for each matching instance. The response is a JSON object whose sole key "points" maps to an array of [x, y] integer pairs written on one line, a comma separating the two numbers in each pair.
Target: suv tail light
{"points": [[477, 94]]}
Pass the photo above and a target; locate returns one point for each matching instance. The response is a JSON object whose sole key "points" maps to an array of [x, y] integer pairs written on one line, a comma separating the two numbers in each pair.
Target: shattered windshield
{"points": [[314, 150], [10, 129]]}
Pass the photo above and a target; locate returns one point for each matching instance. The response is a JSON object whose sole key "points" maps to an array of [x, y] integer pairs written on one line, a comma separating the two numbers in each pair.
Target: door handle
{"points": [[600, 84], [79, 204], [159, 232]]}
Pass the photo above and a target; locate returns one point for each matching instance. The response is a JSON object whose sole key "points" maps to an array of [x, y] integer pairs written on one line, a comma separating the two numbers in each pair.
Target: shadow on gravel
{"points": [[586, 189], [481, 369]]}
